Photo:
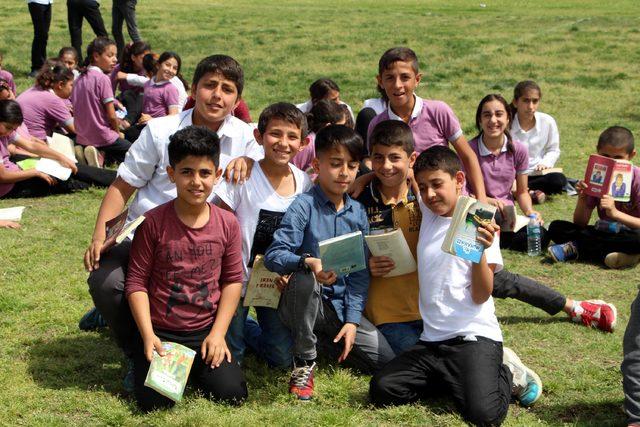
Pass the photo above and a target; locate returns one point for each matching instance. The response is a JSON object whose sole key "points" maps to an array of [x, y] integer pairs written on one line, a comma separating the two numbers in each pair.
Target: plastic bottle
{"points": [[608, 226], [534, 244]]}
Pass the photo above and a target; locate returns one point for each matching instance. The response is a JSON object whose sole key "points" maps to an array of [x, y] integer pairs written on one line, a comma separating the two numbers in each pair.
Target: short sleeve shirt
{"points": [[159, 97], [43, 110], [6, 163]]}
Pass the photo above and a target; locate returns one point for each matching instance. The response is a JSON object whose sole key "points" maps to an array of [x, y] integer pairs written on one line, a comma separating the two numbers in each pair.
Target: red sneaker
{"points": [[301, 381], [596, 314]]}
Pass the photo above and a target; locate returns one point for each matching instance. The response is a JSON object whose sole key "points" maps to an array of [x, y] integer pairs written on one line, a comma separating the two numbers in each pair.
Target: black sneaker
{"points": [[92, 320]]}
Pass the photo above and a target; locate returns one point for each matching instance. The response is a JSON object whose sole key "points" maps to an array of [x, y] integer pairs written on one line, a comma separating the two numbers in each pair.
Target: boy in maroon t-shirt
{"points": [[185, 275]]}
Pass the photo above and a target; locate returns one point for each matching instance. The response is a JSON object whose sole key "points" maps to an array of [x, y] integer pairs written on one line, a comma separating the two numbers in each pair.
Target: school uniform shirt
{"points": [[139, 81], [8, 77], [4, 157], [303, 159], [445, 287], [393, 299], [43, 110], [125, 85], [632, 207], [310, 219], [542, 140], [184, 269], [145, 164], [499, 172], [306, 107], [91, 92], [376, 104], [259, 209], [432, 123], [159, 98]]}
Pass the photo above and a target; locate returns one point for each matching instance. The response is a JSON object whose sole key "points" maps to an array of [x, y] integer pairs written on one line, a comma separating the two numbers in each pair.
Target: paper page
{"points": [[11, 214], [53, 168]]}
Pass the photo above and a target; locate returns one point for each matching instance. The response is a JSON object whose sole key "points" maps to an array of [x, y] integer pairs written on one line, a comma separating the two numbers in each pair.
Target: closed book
{"points": [[343, 254], [392, 244], [461, 238], [11, 214], [261, 287], [605, 176], [117, 229], [546, 171], [168, 374]]}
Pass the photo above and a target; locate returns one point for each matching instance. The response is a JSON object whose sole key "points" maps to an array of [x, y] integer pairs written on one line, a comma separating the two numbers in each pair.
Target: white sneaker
{"points": [[92, 156], [527, 386], [618, 260], [78, 151]]}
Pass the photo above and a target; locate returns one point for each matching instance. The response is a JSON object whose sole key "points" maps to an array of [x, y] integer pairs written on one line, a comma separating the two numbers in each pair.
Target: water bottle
{"points": [[534, 244], [608, 226]]}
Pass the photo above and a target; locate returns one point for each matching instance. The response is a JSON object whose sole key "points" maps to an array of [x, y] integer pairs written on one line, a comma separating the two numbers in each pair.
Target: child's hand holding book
{"points": [[151, 343], [379, 266], [609, 205], [486, 232], [324, 277]]}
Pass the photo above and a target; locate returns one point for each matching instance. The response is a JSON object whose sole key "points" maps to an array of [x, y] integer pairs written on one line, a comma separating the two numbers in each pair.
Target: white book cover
{"points": [[11, 214], [393, 245]]}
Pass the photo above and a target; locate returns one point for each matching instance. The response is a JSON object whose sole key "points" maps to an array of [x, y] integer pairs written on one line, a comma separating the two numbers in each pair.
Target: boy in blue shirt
{"points": [[332, 312]]}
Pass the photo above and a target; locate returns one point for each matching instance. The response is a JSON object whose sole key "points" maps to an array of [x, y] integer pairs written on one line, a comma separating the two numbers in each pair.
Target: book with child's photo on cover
{"points": [[609, 176]]}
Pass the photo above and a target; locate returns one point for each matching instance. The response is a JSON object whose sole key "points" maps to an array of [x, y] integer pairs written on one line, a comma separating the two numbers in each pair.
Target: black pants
{"points": [[36, 187], [518, 241], [124, 10], [510, 285], [552, 183], [88, 174], [41, 19], [132, 100], [77, 10], [133, 132], [115, 152], [470, 371], [225, 383], [592, 244], [362, 124]]}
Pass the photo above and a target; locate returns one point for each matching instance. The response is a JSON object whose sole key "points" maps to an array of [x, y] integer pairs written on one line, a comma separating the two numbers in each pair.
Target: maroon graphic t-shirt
{"points": [[182, 269]]}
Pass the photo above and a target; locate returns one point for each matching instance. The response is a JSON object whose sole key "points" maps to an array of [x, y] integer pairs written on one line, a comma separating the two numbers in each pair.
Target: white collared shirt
{"points": [[145, 164], [138, 80], [45, 2], [417, 109], [306, 107], [484, 151], [542, 140], [377, 104]]}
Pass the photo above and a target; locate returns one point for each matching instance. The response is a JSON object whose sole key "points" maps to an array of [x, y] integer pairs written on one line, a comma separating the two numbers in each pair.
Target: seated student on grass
{"points": [[217, 85], [8, 77], [161, 98], [184, 276], [503, 161], [259, 205], [323, 89], [15, 182], [432, 122], [392, 303], [460, 350], [580, 240], [43, 104], [539, 133], [69, 57], [97, 127], [320, 308], [130, 96]]}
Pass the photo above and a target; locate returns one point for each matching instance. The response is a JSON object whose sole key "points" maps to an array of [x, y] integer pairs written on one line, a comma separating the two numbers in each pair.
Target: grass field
{"points": [[584, 55]]}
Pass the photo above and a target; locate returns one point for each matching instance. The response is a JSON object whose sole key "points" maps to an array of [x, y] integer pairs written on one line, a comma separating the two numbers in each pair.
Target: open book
{"points": [[343, 254], [11, 214], [261, 287], [59, 143], [168, 374], [117, 230], [609, 176], [460, 239], [509, 220], [392, 244]]}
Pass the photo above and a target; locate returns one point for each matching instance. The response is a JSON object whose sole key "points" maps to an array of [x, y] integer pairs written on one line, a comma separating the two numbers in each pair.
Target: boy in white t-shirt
{"points": [[259, 205], [460, 350]]}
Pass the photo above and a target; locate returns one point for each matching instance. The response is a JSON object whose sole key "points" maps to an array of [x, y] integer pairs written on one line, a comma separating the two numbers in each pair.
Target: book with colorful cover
{"points": [[168, 374], [461, 238], [261, 287], [117, 229], [609, 176], [343, 254]]}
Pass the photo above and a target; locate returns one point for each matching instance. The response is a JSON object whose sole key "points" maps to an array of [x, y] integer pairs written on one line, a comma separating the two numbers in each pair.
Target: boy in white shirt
{"points": [[259, 205], [460, 349]]}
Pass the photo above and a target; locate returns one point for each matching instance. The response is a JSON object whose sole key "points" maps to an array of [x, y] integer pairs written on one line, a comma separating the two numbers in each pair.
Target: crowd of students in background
{"points": [[208, 181]]}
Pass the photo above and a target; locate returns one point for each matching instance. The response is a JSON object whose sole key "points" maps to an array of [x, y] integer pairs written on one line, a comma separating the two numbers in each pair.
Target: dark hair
{"points": [[499, 98], [438, 158], [335, 136], [348, 118], [132, 49], [10, 112], [392, 133], [4, 85], [519, 91], [168, 55], [323, 113], [197, 141], [617, 137], [53, 71], [150, 63], [98, 45], [223, 64], [320, 89], [68, 49], [283, 111], [393, 55]]}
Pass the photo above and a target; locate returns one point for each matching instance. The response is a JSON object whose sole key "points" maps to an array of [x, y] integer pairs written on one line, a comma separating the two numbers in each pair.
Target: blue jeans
{"points": [[402, 335], [268, 337]]}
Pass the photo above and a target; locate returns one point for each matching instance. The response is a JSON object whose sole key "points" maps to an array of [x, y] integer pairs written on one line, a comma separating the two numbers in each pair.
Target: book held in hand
{"points": [[460, 239], [261, 287], [117, 230], [343, 254], [546, 171], [609, 176], [168, 374], [48, 166], [392, 244]]}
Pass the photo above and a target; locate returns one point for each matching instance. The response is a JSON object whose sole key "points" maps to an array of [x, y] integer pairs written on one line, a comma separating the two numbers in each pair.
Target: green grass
{"points": [[583, 55]]}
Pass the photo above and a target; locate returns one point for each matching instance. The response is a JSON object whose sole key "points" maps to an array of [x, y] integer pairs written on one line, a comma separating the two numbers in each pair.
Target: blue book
{"points": [[460, 239], [343, 254]]}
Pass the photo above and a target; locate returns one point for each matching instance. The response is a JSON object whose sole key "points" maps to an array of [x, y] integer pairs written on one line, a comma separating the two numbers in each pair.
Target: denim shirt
{"points": [[310, 219]]}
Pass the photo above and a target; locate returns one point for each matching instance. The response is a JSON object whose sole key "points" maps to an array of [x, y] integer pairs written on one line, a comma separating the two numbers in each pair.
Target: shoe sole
{"points": [[78, 151], [613, 309], [513, 358], [552, 255], [91, 156], [621, 260]]}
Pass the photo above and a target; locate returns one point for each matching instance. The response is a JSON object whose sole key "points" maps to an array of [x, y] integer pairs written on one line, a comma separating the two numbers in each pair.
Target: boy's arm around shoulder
{"points": [[357, 283], [141, 160], [281, 257]]}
